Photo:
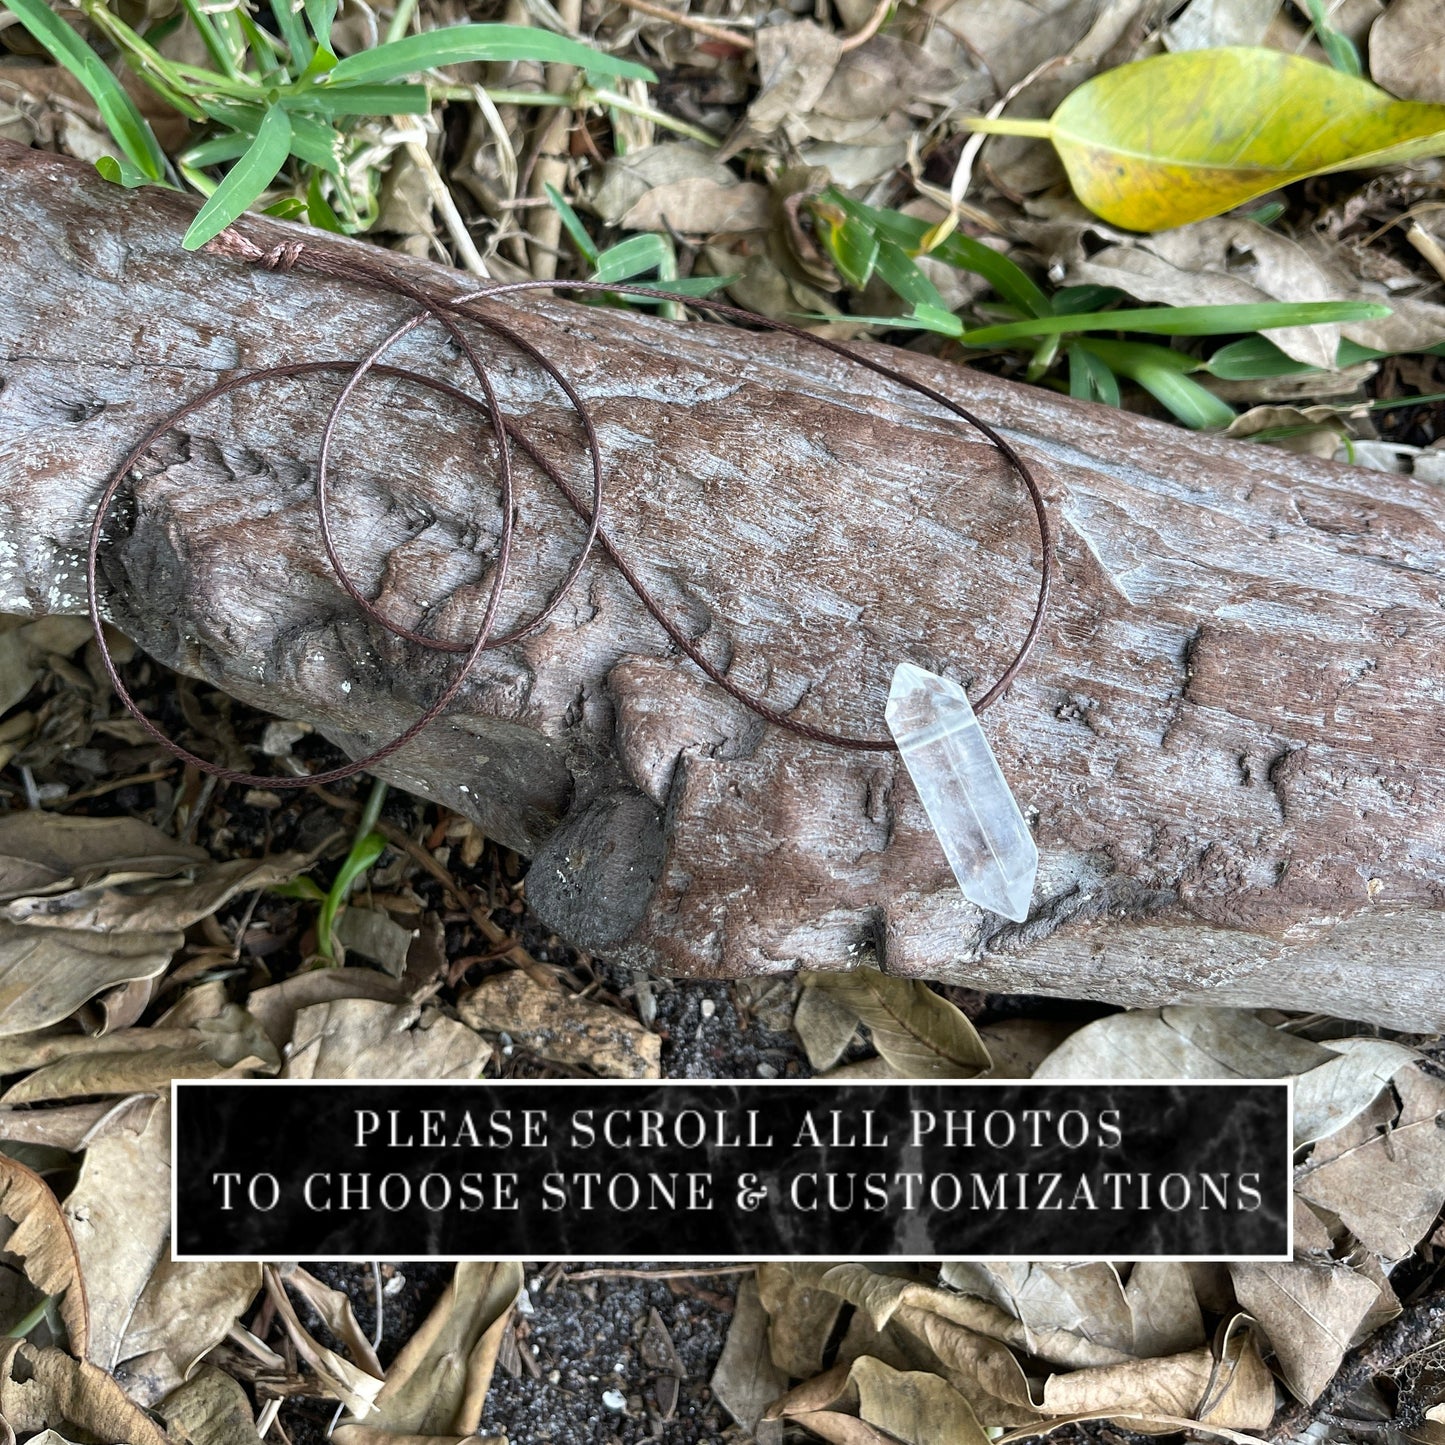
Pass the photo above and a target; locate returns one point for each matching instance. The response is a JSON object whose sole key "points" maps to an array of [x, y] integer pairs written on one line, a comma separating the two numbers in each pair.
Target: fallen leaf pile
{"points": [[863, 1355]]}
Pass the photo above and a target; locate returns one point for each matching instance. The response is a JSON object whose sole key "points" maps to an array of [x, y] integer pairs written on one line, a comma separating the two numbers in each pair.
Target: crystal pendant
{"points": [[963, 791]]}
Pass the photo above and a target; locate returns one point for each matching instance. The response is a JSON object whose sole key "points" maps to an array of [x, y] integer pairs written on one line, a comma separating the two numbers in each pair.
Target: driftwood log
{"points": [[1230, 744]]}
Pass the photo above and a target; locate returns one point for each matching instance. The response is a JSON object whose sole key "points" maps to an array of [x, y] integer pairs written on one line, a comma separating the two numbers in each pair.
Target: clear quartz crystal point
{"points": [[963, 791]]}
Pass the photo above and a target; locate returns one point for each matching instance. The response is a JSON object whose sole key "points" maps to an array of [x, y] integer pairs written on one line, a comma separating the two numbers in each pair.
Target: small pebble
{"points": [[767, 1071], [614, 1399], [709, 1008]]}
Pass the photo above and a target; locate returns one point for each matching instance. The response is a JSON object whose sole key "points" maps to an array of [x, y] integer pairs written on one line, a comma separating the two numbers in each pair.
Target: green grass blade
{"points": [[1068, 300], [293, 33], [698, 285], [360, 100], [364, 852], [312, 140], [457, 44], [120, 113], [122, 173], [216, 151], [245, 180], [1090, 379], [216, 48], [318, 208], [1161, 373], [572, 224], [320, 14], [902, 275], [1338, 47], [924, 318], [1007, 278], [1253, 358], [853, 247], [1183, 320], [633, 257]]}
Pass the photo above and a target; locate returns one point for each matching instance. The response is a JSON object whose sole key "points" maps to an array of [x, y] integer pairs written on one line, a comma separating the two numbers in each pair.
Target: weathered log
{"points": [[1231, 743]]}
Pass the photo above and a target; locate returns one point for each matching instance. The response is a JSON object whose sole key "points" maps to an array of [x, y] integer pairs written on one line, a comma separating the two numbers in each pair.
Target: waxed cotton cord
{"points": [[450, 312]]}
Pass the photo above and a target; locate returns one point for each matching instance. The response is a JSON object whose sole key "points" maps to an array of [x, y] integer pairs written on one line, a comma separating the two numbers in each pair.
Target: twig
{"points": [[870, 27], [117, 783], [440, 193], [1427, 246], [655, 1273], [549, 159], [691, 22]]}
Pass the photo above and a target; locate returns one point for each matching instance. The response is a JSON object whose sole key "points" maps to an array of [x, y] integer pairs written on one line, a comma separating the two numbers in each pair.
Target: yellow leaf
{"points": [[1177, 138]]}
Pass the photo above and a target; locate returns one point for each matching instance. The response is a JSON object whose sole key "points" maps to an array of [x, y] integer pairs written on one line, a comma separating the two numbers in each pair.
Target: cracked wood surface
{"points": [[1230, 743]]}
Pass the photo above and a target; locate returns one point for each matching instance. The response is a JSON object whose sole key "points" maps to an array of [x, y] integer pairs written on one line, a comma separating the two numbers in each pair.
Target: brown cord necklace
{"points": [[924, 716]]}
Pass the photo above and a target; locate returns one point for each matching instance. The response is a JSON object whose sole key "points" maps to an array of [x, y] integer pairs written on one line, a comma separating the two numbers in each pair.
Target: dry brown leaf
{"points": [[1184, 1042], [43, 1241], [1018, 1046], [796, 61], [841, 1429], [1412, 325], [367, 1435], [136, 1061], [1084, 1300], [1242, 1392], [1207, 24], [156, 907], [1386, 1185], [119, 1213], [275, 1008], [1407, 50], [354, 1038], [1309, 1312], [870, 1068], [355, 1387], [824, 1026], [1156, 1313], [801, 1319], [438, 1384], [680, 185], [1163, 1309], [73, 1126], [186, 1308], [1312, 1234], [914, 1406], [211, 1408], [126, 1073], [746, 1381], [44, 853], [336, 1313], [1312, 431], [45, 974], [563, 1028], [42, 1388], [1174, 1386], [822, 1393], [884, 1295], [370, 933], [122, 1006], [918, 1032], [1223, 261], [1338, 1091]]}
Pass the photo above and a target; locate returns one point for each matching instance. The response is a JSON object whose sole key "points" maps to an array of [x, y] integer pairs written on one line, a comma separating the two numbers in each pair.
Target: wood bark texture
{"points": [[1230, 743]]}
